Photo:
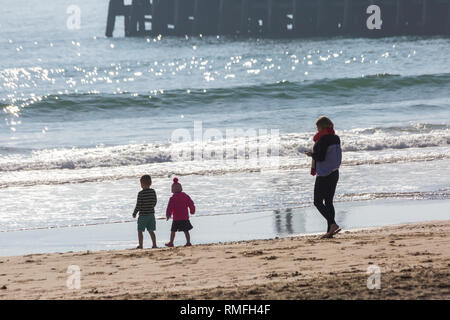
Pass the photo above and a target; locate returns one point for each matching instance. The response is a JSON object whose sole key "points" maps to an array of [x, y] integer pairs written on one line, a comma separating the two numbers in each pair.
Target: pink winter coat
{"points": [[178, 206]]}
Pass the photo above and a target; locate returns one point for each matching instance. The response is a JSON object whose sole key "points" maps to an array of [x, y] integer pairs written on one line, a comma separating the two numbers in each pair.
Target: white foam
{"points": [[354, 143]]}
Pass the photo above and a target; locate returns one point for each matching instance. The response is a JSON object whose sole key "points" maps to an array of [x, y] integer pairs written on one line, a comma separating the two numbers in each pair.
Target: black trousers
{"points": [[324, 190]]}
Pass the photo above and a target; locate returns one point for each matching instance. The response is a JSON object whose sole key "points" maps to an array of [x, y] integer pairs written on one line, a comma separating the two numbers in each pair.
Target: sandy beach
{"points": [[414, 261]]}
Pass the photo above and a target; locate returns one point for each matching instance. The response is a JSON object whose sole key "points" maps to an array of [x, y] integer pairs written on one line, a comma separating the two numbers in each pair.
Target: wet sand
{"points": [[414, 260], [209, 229]]}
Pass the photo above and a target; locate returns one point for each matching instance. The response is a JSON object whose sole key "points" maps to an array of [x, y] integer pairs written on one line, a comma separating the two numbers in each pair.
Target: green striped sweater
{"points": [[146, 202]]}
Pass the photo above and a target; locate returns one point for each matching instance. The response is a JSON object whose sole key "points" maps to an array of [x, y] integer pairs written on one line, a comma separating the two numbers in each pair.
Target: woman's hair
{"points": [[146, 179], [324, 122]]}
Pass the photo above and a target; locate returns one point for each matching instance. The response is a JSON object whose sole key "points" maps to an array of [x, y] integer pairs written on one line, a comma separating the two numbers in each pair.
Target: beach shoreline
{"points": [[412, 260], [209, 229]]}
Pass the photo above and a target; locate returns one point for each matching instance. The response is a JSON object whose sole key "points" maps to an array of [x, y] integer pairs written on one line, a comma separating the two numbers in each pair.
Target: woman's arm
{"points": [[320, 150]]}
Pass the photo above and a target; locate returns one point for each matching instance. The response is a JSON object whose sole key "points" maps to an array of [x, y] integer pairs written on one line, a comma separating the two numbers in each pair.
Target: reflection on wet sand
{"points": [[286, 222]]}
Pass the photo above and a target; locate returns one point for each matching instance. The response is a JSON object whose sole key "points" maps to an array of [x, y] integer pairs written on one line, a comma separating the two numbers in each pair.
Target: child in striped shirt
{"points": [[145, 205]]}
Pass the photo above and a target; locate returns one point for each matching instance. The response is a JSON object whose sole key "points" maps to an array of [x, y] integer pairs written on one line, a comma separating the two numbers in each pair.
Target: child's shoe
{"points": [[168, 244]]}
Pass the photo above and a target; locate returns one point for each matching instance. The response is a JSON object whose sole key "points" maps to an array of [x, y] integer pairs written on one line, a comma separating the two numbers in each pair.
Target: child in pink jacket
{"points": [[178, 209]]}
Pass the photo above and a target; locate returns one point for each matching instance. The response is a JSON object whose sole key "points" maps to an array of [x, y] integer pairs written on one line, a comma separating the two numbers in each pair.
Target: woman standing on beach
{"points": [[327, 156]]}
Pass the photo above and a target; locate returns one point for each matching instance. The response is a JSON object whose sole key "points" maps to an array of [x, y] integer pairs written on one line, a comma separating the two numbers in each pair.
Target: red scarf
{"points": [[323, 132]]}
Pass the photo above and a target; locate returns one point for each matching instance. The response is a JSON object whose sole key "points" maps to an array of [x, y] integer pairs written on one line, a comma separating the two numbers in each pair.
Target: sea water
{"points": [[84, 116]]}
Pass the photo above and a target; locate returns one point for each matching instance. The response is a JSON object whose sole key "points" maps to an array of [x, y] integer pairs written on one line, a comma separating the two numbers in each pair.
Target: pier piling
{"points": [[279, 18]]}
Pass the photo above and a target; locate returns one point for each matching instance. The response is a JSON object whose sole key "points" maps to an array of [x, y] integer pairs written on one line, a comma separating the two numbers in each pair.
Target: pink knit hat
{"points": [[176, 186]]}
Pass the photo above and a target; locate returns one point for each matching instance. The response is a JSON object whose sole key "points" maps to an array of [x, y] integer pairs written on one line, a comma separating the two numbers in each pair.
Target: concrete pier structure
{"points": [[279, 18]]}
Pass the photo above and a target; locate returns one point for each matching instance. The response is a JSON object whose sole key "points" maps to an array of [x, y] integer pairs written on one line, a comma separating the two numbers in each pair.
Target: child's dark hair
{"points": [[324, 122], [146, 179]]}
